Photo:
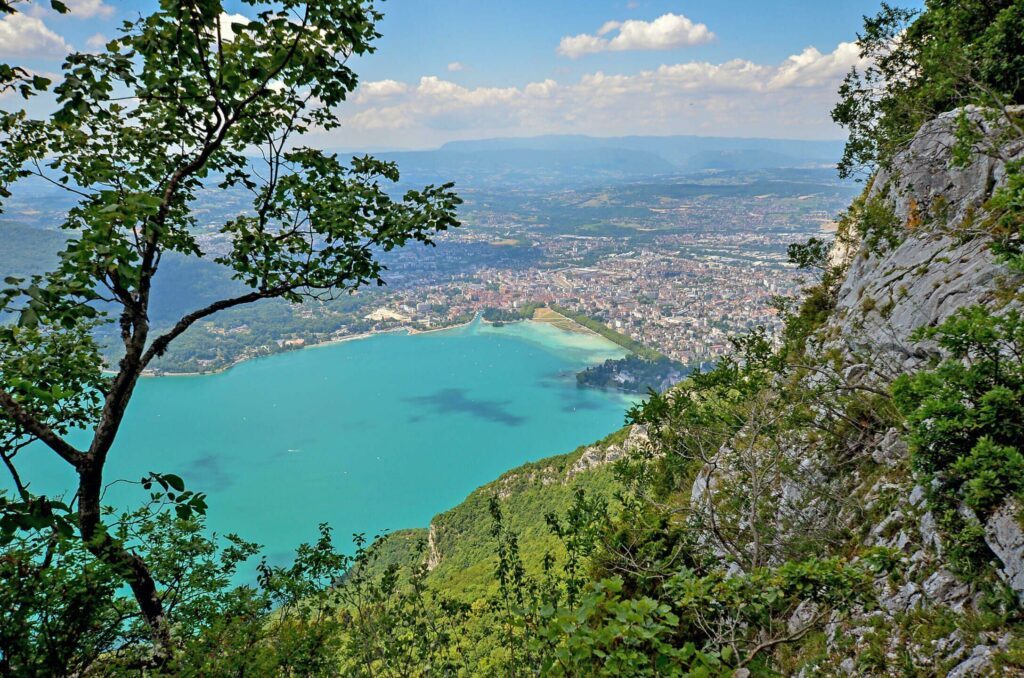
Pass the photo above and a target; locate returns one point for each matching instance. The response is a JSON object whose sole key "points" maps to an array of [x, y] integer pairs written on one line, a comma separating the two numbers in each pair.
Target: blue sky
{"points": [[504, 42], [457, 69]]}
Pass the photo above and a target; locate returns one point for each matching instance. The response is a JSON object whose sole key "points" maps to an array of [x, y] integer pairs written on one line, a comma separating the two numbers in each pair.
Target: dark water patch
{"points": [[208, 471], [457, 401], [577, 404], [280, 558]]}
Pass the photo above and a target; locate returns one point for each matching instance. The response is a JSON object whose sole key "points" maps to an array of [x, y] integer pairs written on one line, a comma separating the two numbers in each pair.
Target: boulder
{"points": [[1005, 536]]}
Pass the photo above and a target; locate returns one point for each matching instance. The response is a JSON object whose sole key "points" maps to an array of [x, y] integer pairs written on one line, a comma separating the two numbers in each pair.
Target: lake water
{"points": [[369, 435]]}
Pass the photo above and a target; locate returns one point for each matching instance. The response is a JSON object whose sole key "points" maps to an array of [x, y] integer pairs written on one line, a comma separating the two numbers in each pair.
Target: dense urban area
{"points": [[676, 264]]}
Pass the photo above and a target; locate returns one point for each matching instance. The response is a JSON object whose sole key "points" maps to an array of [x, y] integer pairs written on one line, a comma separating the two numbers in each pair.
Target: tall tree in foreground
{"points": [[182, 100]]}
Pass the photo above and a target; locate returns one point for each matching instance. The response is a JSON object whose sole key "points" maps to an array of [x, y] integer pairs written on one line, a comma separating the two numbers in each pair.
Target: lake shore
{"points": [[370, 436], [554, 319], [151, 374]]}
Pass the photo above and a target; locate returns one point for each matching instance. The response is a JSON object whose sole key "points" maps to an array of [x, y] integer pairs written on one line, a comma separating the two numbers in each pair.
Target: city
{"points": [[694, 260]]}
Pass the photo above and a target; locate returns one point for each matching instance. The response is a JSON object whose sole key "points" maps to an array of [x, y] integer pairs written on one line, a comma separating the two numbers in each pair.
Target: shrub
{"points": [[1007, 221], [965, 421]]}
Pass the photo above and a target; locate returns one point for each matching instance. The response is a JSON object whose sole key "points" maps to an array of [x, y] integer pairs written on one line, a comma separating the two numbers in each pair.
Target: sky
{"points": [[467, 69]]}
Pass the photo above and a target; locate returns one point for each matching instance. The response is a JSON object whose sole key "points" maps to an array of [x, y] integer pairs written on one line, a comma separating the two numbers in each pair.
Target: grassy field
{"points": [[597, 327], [546, 315]]}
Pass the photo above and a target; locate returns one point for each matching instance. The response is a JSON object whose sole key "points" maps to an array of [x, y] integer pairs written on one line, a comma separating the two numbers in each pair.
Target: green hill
{"points": [[459, 546]]}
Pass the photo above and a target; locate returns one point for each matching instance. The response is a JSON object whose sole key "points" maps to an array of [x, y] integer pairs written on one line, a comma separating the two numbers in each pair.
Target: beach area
{"points": [[306, 345], [542, 316]]}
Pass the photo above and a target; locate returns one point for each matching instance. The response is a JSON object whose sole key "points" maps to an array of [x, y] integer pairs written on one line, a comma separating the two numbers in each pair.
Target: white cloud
{"points": [[380, 89], [455, 67], [97, 41], [541, 90], [668, 31], [440, 103], [226, 20], [578, 45], [811, 68], [731, 98], [87, 9], [22, 35]]}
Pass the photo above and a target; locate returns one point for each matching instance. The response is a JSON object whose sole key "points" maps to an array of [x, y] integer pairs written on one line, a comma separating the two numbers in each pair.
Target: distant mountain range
{"points": [[555, 158]]}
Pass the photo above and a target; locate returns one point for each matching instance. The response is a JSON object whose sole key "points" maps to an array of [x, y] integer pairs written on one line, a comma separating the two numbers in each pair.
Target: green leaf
{"points": [[174, 481]]}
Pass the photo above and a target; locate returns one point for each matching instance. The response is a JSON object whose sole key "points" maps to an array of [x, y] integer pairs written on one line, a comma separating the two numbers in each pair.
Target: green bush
{"points": [[988, 474], [1007, 221], [921, 63], [878, 225], [965, 420]]}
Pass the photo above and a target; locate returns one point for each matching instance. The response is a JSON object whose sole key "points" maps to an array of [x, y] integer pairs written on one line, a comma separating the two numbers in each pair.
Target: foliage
{"points": [[463, 538], [394, 626], [523, 311], [633, 374], [951, 54], [173, 104], [812, 254], [55, 612], [877, 224], [1006, 224], [966, 421], [819, 298], [65, 611], [693, 420], [705, 551], [692, 622]]}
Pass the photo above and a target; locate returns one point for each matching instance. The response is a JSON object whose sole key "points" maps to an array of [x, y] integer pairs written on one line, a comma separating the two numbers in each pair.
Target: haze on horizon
{"points": [[456, 70]]}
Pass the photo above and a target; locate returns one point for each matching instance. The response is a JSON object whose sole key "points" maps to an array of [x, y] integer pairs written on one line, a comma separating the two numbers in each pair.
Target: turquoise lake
{"points": [[370, 435]]}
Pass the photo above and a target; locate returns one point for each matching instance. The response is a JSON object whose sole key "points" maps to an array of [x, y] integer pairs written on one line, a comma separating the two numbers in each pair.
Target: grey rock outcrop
{"points": [[1005, 536], [935, 269], [938, 262], [433, 553], [595, 456]]}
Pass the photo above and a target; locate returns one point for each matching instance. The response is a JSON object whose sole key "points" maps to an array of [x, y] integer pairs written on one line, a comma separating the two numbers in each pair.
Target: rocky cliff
{"points": [[922, 258], [934, 261]]}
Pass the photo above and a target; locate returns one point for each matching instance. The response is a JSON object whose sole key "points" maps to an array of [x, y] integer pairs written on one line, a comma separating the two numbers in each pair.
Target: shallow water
{"points": [[369, 435]]}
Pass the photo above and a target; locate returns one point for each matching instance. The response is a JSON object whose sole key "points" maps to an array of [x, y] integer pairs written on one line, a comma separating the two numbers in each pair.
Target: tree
{"points": [[179, 102], [953, 53]]}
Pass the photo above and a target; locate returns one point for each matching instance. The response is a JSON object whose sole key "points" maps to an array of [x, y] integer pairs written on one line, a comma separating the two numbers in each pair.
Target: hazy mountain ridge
{"points": [[676, 149], [556, 158]]}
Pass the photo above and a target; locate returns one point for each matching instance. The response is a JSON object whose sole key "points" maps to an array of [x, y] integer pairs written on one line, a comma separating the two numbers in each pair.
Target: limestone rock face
{"points": [[944, 588], [938, 262], [595, 456], [935, 270], [979, 662], [1005, 536], [433, 553], [592, 458]]}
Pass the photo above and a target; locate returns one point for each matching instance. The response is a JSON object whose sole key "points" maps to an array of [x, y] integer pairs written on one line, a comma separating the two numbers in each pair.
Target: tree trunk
{"points": [[130, 566]]}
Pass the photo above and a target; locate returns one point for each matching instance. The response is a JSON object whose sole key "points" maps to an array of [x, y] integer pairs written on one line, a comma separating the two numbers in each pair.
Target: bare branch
{"points": [[40, 430], [160, 344]]}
